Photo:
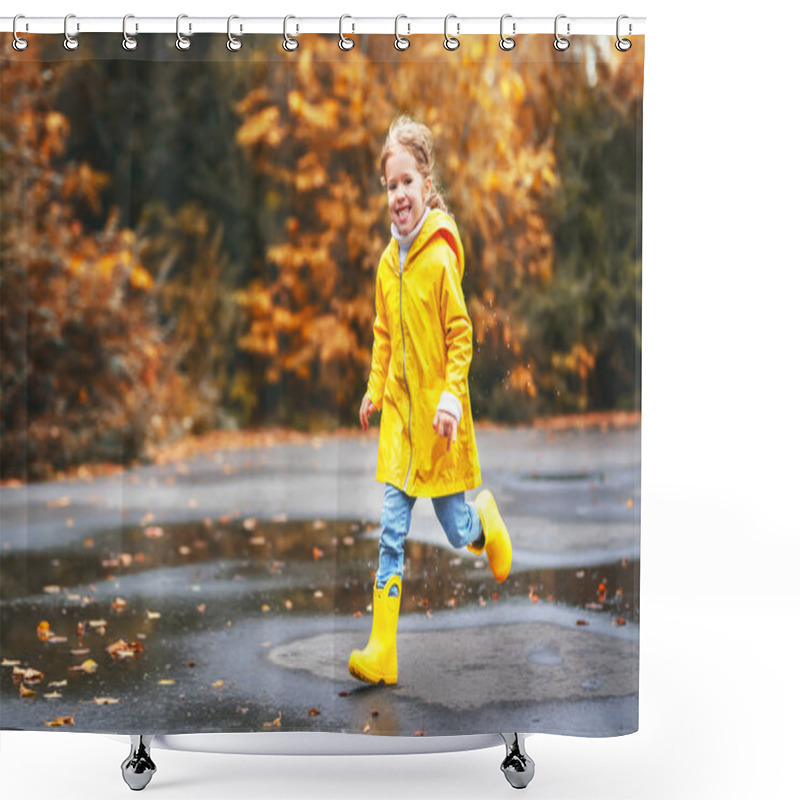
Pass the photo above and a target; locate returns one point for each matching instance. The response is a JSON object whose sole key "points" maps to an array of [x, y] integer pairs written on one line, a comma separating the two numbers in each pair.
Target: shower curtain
{"points": [[193, 313]]}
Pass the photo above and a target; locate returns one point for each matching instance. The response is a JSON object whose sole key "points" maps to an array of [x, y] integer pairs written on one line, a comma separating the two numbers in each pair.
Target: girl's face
{"points": [[407, 190]]}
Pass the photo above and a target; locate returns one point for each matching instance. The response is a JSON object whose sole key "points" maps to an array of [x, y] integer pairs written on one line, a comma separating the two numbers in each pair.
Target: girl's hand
{"points": [[367, 409], [445, 425]]}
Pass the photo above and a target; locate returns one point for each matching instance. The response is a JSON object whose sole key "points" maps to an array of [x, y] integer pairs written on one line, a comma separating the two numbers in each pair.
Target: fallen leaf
{"points": [[344, 694], [621, 621], [581, 622], [24, 691], [184, 550], [106, 701], [288, 604], [61, 502], [358, 615], [89, 667], [9, 663], [153, 532], [153, 614], [119, 605], [318, 594], [218, 684], [317, 553], [365, 729], [601, 592], [420, 732], [314, 712], [60, 721], [57, 640], [250, 524], [532, 596], [202, 608], [276, 723], [630, 502], [121, 649], [51, 589], [57, 684], [43, 630], [166, 682], [29, 675], [451, 602], [348, 541], [88, 543], [53, 696]]}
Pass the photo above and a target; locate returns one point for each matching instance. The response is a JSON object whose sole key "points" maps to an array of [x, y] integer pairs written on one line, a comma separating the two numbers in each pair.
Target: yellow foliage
{"points": [[141, 278]]}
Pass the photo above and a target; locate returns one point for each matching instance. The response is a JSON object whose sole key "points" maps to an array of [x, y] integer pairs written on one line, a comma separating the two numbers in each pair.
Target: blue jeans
{"points": [[460, 521]]}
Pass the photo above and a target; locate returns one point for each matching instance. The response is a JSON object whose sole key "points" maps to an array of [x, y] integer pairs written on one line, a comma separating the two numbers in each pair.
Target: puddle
{"points": [[571, 477], [156, 585]]}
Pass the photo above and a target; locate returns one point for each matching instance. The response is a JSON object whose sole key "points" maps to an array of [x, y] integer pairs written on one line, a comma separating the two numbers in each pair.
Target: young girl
{"points": [[420, 363]]}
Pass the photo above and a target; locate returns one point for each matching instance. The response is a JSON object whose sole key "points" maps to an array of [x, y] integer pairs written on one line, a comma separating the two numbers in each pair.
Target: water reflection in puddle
{"points": [[152, 585]]}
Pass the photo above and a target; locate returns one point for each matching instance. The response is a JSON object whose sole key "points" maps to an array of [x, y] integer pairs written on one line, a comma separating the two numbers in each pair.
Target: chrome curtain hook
{"points": [[560, 43], [70, 42], [451, 42], [18, 43], [345, 42], [506, 42], [400, 42], [234, 42], [182, 42], [290, 44], [623, 45], [128, 42]]}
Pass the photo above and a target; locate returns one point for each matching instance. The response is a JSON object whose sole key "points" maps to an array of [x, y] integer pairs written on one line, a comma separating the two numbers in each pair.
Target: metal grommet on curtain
{"points": [[128, 42], [70, 41], [451, 42], [560, 42], [623, 45], [345, 42], [234, 42], [506, 42], [182, 42], [18, 44], [400, 42], [290, 44]]}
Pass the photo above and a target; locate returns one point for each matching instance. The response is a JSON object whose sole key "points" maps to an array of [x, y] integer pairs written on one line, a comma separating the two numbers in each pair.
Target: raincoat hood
{"points": [[437, 224]]}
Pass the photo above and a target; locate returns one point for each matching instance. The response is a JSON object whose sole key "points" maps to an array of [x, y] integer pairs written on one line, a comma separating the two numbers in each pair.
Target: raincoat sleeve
{"points": [[381, 349], [457, 328]]}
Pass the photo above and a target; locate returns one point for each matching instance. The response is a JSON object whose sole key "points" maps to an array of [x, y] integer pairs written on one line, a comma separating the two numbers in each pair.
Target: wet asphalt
{"points": [[245, 578]]}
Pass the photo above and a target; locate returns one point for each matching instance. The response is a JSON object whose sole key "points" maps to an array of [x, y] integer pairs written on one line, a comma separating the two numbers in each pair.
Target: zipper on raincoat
{"points": [[405, 378]]}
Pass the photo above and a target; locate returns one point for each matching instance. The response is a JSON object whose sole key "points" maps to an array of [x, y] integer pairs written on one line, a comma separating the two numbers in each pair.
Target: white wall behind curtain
{"points": [[720, 442]]}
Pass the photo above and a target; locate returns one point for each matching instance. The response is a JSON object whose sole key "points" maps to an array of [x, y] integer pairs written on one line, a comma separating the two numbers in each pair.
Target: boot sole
{"points": [[367, 677]]}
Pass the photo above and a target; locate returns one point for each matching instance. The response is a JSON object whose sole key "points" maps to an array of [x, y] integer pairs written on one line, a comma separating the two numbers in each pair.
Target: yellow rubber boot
{"points": [[497, 541], [377, 662]]}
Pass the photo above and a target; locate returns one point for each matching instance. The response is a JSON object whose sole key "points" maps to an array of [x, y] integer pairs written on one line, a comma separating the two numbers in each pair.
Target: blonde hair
{"points": [[417, 139]]}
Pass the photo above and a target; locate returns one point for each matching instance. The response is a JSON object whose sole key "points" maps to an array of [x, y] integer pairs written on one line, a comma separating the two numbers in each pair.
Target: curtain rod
{"points": [[407, 26]]}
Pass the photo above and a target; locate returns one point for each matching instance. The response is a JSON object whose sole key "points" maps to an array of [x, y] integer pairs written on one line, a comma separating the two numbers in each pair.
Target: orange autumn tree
{"points": [[82, 360], [314, 127]]}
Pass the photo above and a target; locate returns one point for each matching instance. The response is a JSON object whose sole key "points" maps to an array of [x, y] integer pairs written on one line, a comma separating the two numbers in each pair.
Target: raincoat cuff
{"points": [[450, 403]]}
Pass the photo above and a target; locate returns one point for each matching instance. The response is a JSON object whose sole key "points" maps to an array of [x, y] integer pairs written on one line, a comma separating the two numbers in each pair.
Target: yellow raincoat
{"points": [[422, 347]]}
